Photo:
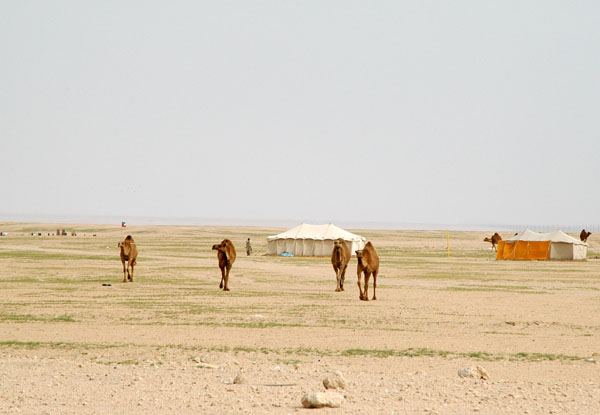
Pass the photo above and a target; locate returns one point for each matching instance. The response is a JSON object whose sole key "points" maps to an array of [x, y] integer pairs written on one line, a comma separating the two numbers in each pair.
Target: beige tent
{"points": [[312, 240], [533, 245]]}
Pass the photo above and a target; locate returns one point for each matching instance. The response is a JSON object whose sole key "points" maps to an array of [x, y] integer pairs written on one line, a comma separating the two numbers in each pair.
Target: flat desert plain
{"points": [[172, 342]]}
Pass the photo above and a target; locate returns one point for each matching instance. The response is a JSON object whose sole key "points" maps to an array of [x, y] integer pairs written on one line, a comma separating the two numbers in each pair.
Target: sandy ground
{"points": [[172, 342]]}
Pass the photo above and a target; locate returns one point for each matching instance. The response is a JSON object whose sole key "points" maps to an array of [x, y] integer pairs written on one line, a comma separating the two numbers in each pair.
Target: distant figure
{"points": [[494, 240], [584, 235], [129, 254], [226, 254], [248, 247]]}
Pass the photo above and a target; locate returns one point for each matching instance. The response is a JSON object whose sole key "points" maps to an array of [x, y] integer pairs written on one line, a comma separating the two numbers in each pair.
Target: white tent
{"points": [[312, 240], [556, 245]]}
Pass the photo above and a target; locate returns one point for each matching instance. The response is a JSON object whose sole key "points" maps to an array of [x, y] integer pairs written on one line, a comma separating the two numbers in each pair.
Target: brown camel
{"points": [[340, 256], [584, 235], [494, 240], [368, 263], [129, 253], [226, 254]]}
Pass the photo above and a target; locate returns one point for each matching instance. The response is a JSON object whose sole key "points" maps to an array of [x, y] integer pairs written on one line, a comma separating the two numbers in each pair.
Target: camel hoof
{"points": [[225, 289], [221, 285], [337, 290]]}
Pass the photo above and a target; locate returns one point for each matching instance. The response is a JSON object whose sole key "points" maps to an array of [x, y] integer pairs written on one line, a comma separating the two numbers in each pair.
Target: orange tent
{"points": [[533, 245]]}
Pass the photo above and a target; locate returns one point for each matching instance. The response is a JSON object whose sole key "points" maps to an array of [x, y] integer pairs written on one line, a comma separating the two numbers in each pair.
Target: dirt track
{"points": [[171, 342]]}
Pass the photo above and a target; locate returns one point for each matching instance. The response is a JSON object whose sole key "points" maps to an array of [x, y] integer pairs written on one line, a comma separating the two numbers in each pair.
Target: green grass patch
{"points": [[25, 318]]}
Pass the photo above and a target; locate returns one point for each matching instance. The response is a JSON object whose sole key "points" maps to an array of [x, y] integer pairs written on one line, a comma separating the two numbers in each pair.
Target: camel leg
{"points": [[374, 284], [367, 276], [343, 278], [131, 278], [124, 271], [226, 284], [222, 277], [360, 291], [337, 278]]}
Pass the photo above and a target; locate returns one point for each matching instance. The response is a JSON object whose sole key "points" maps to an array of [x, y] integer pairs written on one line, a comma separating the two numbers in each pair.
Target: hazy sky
{"points": [[388, 111]]}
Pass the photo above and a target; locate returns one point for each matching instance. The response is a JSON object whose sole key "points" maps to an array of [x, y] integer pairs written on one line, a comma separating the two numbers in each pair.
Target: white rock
{"points": [[335, 381], [329, 399]]}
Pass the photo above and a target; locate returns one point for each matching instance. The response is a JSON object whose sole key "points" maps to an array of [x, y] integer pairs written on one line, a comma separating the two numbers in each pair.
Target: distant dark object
{"points": [[584, 235], [39, 234], [94, 235], [64, 233], [493, 240], [58, 232], [107, 285], [73, 233]]}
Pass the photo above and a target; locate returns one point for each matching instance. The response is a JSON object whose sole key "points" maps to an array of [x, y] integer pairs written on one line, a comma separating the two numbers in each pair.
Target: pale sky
{"points": [[367, 111]]}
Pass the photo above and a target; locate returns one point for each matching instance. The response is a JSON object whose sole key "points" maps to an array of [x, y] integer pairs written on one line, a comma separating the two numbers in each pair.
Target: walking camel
{"points": [[584, 235], [129, 254], [340, 256], [368, 263], [494, 240], [226, 254]]}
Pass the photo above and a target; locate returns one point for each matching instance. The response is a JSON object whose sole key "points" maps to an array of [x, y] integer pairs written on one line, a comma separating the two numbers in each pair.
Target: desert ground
{"points": [[172, 342]]}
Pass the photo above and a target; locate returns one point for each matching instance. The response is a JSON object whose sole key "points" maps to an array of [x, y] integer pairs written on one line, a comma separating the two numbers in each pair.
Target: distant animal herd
{"points": [[367, 266]]}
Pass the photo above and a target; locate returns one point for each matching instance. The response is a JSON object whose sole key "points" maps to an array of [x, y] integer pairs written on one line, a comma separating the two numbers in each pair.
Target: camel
{"points": [[340, 256], [494, 240], [368, 263], [584, 235], [226, 255], [129, 253]]}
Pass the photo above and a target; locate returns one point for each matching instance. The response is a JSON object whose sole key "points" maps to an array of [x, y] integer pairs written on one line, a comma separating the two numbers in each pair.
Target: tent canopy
{"points": [[312, 240], [556, 236]]}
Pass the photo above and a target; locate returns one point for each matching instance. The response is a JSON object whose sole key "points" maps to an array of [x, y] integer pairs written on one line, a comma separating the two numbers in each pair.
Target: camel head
{"points": [[126, 244], [359, 256], [338, 242], [222, 247]]}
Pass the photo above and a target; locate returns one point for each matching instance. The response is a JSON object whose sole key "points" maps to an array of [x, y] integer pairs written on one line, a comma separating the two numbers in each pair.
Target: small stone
{"points": [[474, 372], [239, 379], [206, 366], [328, 399], [335, 381], [483, 374]]}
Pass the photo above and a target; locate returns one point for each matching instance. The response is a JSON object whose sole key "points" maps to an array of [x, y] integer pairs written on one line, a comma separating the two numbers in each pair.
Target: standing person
{"points": [[248, 247]]}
